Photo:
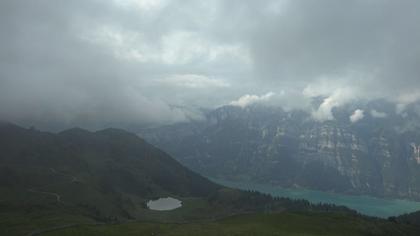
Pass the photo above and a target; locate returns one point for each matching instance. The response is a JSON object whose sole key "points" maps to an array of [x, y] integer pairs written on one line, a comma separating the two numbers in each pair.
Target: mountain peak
{"points": [[75, 130]]}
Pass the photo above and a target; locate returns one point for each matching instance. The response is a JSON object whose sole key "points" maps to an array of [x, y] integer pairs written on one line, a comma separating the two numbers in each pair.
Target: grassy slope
{"points": [[18, 220], [253, 224]]}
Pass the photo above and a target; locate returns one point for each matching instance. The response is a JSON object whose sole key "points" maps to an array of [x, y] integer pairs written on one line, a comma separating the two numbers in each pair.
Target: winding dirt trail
{"points": [[56, 195]]}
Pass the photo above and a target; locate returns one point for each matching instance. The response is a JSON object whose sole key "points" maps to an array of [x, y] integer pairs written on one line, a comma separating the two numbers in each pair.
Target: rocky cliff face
{"points": [[376, 156]]}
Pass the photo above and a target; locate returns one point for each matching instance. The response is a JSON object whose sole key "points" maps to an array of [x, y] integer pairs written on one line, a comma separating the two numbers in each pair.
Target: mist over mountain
{"points": [[367, 148], [139, 63]]}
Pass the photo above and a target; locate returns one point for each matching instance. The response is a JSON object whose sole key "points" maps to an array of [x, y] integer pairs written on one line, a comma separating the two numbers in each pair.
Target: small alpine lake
{"points": [[164, 204], [367, 205]]}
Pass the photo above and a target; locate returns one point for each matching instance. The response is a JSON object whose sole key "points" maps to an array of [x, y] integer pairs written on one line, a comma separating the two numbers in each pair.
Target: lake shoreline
{"points": [[365, 204]]}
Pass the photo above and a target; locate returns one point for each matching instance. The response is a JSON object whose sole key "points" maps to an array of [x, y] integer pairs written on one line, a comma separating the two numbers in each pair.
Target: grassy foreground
{"points": [[253, 224]]}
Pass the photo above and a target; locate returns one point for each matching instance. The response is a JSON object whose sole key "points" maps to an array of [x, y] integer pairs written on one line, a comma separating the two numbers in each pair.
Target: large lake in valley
{"points": [[367, 205]]}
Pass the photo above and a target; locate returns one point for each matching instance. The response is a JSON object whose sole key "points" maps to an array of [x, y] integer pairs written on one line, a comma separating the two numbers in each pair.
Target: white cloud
{"points": [[357, 115], [337, 98], [378, 114], [251, 99], [193, 81]]}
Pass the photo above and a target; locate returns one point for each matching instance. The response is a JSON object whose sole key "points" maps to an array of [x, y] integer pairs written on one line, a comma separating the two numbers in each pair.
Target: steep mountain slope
{"points": [[376, 155], [110, 173]]}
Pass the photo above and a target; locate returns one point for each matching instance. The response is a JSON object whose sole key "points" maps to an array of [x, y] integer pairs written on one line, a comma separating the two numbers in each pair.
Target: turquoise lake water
{"points": [[367, 205]]}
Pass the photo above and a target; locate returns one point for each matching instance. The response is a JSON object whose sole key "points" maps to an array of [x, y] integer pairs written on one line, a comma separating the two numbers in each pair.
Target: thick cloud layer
{"points": [[136, 63]]}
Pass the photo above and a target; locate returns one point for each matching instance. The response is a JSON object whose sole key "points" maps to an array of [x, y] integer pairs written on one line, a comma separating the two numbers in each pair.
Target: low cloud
{"points": [[193, 81], [357, 115], [138, 62], [378, 114], [406, 99], [247, 99], [338, 98]]}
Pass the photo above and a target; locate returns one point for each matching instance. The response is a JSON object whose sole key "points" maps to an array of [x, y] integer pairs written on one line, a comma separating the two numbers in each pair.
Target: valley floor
{"points": [[285, 223]]}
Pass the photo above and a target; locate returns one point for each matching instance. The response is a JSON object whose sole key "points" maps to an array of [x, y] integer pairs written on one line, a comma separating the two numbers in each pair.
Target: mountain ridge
{"points": [[259, 143]]}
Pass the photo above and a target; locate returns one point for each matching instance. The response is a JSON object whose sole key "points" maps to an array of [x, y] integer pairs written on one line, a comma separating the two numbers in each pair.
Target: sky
{"points": [[141, 63]]}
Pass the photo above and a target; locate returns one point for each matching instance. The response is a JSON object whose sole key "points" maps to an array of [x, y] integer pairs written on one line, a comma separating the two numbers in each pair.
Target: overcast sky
{"points": [[135, 63]]}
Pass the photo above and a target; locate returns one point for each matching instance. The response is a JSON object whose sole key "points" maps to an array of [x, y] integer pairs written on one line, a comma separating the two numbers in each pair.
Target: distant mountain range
{"points": [[377, 154]]}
